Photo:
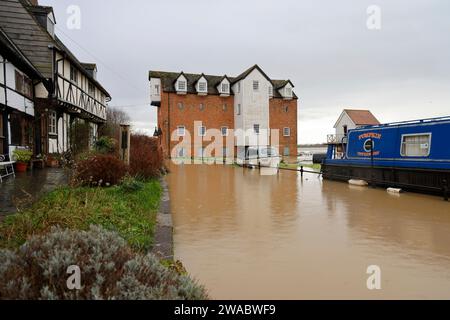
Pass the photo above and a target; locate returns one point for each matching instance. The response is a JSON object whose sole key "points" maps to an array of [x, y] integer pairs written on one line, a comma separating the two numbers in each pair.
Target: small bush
{"points": [[99, 170], [109, 270], [146, 159], [105, 145]]}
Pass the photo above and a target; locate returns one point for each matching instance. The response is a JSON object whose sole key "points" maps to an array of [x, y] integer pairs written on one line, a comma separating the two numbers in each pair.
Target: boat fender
{"points": [[354, 182], [394, 190]]}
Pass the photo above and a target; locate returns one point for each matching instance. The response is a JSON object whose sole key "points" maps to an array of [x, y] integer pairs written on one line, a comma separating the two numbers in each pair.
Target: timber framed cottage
{"points": [[46, 89], [250, 102]]}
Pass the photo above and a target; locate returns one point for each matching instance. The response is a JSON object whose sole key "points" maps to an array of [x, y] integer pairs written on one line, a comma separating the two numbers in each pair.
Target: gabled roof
{"points": [[359, 117], [279, 84], [24, 30], [9, 50], [244, 74], [168, 79], [201, 76]]}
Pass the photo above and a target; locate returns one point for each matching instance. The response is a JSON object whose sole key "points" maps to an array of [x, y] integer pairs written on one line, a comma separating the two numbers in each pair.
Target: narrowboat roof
{"points": [[408, 122]]}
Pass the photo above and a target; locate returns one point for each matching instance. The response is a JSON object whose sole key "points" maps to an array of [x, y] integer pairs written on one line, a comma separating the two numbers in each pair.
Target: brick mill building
{"points": [[251, 102]]}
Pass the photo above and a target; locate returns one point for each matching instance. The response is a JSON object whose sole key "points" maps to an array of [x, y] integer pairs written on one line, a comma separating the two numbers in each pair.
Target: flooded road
{"points": [[246, 236]]}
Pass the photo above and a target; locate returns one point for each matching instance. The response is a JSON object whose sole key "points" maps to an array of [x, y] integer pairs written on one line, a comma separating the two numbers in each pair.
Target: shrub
{"points": [[22, 155], [99, 170], [105, 145], [109, 270], [130, 184], [146, 159]]}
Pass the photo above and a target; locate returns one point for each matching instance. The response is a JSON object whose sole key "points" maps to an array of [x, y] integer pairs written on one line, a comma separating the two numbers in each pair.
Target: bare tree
{"points": [[114, 118]]}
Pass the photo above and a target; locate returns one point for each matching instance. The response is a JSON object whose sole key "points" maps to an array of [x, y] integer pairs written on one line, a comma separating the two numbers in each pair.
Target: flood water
{"points": [[247, 236]]}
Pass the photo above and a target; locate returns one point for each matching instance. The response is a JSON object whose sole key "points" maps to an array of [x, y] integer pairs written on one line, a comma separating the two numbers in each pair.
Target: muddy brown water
{"points": [[247, 236]]}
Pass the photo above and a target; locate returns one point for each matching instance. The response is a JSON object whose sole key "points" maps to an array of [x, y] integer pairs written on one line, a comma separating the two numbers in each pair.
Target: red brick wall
{"points": [[279, 118], [213, 116]]}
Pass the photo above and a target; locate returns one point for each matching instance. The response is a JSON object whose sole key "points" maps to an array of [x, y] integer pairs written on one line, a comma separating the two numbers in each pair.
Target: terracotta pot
{"points": [[21, 166]]}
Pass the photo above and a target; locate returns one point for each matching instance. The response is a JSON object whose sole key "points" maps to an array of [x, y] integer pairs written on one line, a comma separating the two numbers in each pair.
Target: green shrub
{"points": [[109, 270], [105, 145], [22, 155], [130, 184]]}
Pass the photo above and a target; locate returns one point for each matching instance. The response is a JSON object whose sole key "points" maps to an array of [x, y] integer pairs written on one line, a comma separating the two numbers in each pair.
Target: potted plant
{"points": [[52, 161], [22, 158]]}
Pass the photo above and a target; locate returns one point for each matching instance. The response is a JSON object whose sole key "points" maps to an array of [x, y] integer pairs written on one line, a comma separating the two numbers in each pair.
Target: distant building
{"points": [[250, 102], [352, 119]]}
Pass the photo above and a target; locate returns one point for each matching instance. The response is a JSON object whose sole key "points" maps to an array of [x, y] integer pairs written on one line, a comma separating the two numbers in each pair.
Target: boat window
{"points": [[416, 145]]}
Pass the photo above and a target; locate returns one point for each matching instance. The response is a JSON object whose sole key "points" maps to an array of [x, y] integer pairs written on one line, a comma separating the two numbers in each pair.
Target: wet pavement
{"points": [[27, 187], [247, 236]]}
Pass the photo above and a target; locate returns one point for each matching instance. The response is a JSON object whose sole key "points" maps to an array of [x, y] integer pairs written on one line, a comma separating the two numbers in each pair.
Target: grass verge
{"points": [[131, 213], [316, 167]]}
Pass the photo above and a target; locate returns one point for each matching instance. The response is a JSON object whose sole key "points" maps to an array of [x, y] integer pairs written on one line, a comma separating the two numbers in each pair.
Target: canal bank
{"points": [[246, 236]]}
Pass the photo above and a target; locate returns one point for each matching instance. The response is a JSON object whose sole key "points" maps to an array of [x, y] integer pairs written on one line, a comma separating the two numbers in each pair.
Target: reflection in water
{"points": [[247, 236]]}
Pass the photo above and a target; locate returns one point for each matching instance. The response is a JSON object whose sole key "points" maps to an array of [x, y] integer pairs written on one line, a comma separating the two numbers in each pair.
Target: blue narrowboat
{"points": [[412, 155]]}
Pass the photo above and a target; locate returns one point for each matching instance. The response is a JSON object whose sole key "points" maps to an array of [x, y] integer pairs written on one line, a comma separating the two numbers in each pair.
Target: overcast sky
{"points": [[400, 71]]}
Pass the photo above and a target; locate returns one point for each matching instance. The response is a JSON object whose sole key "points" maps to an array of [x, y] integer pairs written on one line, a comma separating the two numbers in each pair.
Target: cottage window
{"points": [[287, 132], [19, 82], [256, 128], [224, 131], [416, 145], [23, 85], [52, 123], [181, 131], [202, 131], [255, 85], [73, 74]]}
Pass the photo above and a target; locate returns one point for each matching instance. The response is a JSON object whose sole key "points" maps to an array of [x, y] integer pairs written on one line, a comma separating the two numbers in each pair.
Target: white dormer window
{"points": [[225, 88], [202, 86], [288, 92], [181, 85]]}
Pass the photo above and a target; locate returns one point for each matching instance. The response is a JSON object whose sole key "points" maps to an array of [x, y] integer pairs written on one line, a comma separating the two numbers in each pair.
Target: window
{"points": [[19, 82], [91, 90], [239, 109], [416, 145], [180, 105], [181, 131], [287, 132], [286, 152], [157, 89], [73, 74], [238, 87], [286, 109], [52, 120], [256, 128], [255, 85], [224, 131], [270, 91], [202, 107], [202, 131], [224, 107], [24, 85], [202, 86], [345, 129], [181, 85], [225, 87], [288, 92]]}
